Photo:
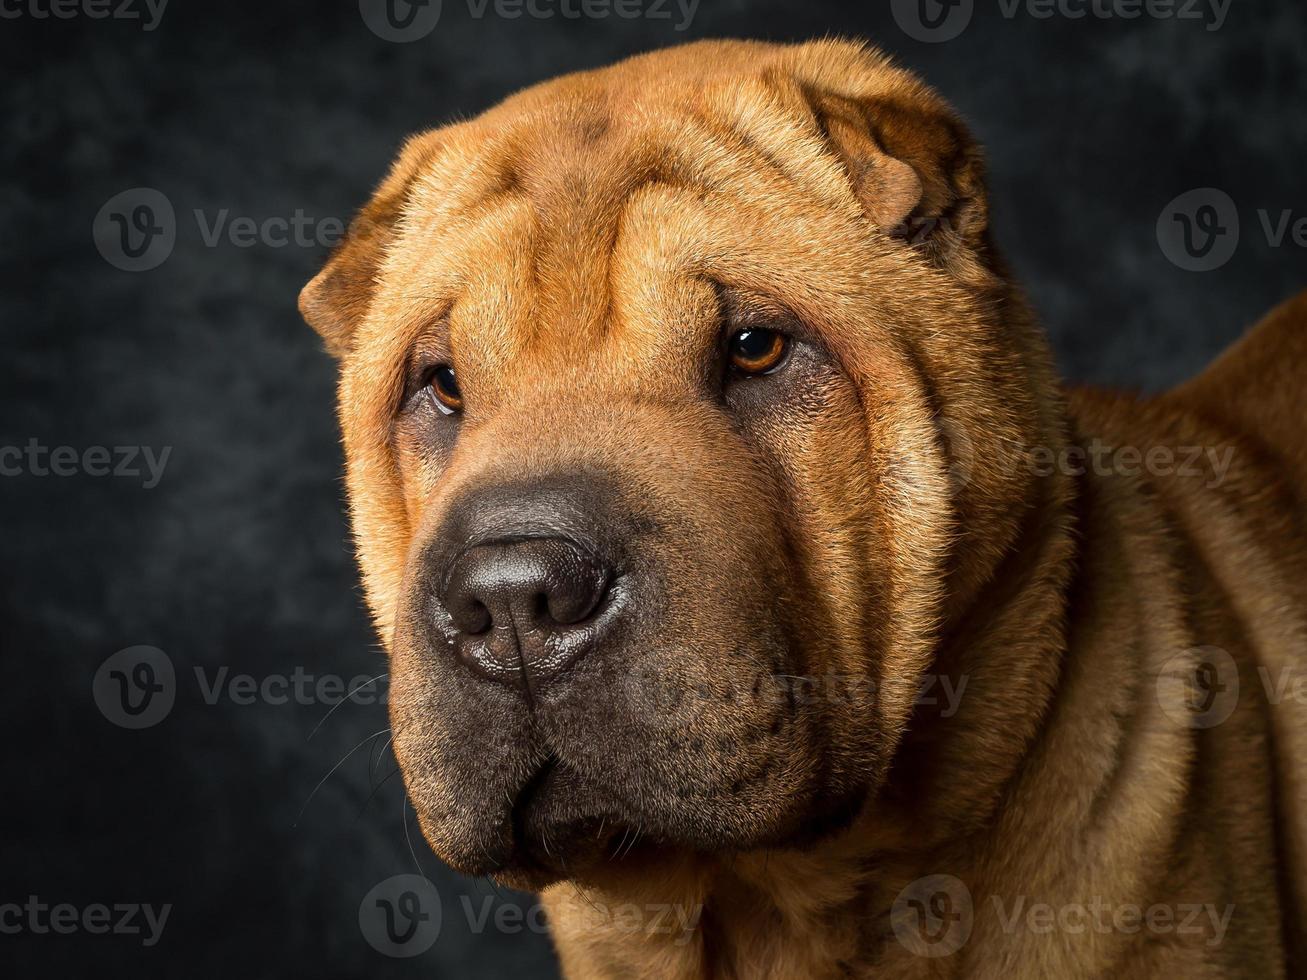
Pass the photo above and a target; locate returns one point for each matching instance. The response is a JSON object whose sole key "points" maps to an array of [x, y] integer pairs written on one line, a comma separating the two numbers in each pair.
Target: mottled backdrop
{"points": [[217, 537]]}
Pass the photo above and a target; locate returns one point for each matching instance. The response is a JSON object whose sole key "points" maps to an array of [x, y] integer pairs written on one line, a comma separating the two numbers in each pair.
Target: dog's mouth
{"points": [[564, 826]]}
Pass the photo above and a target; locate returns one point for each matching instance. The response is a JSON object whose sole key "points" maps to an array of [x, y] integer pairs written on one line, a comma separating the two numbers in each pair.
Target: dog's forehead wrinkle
{"points": [[571, 159], [585, 198]]}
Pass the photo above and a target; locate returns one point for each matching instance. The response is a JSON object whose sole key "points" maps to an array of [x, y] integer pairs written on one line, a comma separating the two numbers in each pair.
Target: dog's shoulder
{"points": [[1257, 388], [1240, 425]]}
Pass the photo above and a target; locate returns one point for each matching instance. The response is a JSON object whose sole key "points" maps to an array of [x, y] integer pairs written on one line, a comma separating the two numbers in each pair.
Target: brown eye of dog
{"points": [[757, 351], [444, 385]]}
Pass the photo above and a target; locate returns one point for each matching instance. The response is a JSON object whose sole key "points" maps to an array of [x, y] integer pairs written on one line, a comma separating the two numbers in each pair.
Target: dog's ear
{"points": [[913, 166], [335, 301]]}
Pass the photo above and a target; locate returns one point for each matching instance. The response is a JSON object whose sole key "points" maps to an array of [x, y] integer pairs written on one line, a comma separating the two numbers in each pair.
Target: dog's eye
{"points": [[444, 387], [757, 351]]}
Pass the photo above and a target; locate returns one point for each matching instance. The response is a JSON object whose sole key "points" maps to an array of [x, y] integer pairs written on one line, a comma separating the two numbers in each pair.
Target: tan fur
{"points": [[562, 248]]}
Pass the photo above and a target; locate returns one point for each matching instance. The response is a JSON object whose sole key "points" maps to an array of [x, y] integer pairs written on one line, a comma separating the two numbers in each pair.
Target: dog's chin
{"points": [[563, 826], [560, 826]]}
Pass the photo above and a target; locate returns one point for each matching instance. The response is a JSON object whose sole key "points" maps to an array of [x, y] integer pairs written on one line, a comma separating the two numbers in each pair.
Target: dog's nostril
{"points": [[467, 612], [568, 607], [479, 619], [540, 606]]}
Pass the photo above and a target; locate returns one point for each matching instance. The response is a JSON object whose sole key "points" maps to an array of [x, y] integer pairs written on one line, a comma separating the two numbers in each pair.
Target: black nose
{"points": [[523, 611]]}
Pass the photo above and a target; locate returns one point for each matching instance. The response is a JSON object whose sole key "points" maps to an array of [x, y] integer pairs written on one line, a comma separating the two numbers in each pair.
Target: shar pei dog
{"points": [[753, 589]]}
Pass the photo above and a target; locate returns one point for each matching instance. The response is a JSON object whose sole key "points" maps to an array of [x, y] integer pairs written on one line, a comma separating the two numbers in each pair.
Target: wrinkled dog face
{"points": [[644, 403]]}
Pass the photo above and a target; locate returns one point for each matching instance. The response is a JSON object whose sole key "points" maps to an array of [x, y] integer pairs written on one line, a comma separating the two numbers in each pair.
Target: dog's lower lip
{"points": [[547, 843], [528, 793]]}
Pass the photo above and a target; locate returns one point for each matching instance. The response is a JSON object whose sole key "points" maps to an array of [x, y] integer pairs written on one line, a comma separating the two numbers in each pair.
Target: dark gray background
{"points": [[239, 557]]}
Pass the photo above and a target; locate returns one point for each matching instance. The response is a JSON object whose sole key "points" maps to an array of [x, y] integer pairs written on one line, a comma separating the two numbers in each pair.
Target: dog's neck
{"points": [[1001, 639], [980, 715]]}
